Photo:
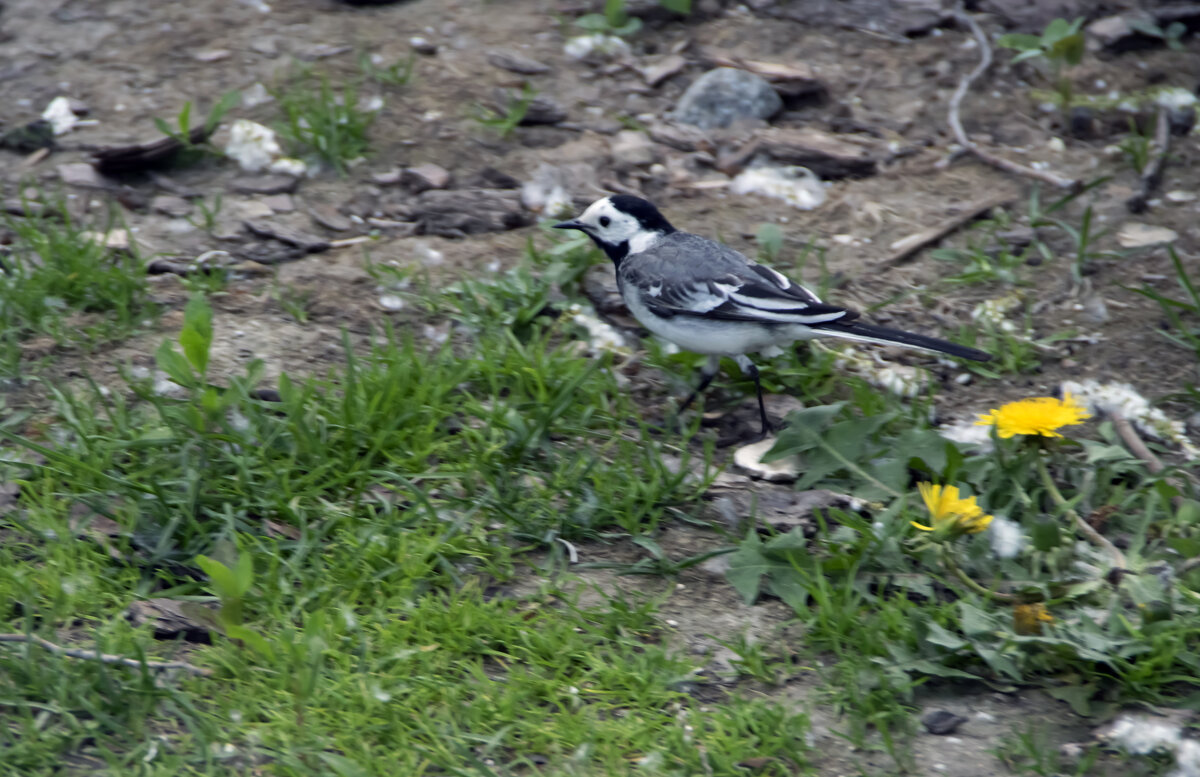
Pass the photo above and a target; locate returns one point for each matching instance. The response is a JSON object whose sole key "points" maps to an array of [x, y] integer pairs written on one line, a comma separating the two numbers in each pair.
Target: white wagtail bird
{"points": [[705, 297]]}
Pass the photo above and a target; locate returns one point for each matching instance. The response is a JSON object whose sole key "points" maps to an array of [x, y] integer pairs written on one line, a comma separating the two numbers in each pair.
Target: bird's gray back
{"points": [[682, 258]]}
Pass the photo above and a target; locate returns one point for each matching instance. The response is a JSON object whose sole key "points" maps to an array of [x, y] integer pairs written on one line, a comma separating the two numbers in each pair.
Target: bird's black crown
{"points": [[645, 212]]}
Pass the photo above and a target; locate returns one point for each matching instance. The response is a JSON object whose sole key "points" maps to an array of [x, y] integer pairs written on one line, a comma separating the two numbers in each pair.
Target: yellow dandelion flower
{"points": [[951, 514], [1028, 618], [1042, 416]]}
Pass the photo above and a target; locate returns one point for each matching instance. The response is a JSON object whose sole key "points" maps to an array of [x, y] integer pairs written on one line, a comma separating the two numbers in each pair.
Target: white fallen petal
{"points": [[62, 119], [797, 186], [749, 459]]}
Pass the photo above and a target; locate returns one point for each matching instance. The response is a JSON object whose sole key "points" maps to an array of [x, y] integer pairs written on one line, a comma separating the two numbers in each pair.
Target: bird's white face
{"points": [[606, 223]]}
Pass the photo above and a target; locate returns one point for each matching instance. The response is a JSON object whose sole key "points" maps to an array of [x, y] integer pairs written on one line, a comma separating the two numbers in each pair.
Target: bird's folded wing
{"points": [[737, 296]]}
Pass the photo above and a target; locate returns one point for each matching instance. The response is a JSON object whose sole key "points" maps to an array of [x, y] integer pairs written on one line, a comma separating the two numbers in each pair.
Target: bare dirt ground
{"points": [[132, 61]]}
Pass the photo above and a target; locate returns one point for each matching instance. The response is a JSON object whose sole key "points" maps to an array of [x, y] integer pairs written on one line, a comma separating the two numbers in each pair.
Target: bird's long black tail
{"points": [[882, 335]]}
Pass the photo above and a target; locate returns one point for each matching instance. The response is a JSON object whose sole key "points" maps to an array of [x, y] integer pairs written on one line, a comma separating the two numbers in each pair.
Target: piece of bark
{"points": [[543, 110], [266, 254], [458, 212], [171, 186], [265, 184], [25, 209], [491, 178], [792, 82], [682, 137], [329, 218], [170, 205], [83, 175], [284, 234], [1152, 175], [906, 247], [143, 156], [424, 177], [657, 72], [169, 619], [829, 156]]}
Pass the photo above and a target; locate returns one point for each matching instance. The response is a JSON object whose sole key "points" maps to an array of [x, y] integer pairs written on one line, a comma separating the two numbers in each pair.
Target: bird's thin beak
{"points": [[571, 225]]}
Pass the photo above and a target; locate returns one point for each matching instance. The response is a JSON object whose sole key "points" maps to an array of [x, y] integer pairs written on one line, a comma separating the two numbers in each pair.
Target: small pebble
{"points": [[422, 45], [391, 302]]}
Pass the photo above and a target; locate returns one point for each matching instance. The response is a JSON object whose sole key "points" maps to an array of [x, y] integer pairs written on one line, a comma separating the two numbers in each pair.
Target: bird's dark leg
{"points": [[707, 373], [751, 370]]}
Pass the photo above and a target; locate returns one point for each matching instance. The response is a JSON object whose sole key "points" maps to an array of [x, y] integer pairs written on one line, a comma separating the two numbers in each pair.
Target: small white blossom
{"points": [[602, 336], [1006, 537], [1124, 400], [797, 186]]}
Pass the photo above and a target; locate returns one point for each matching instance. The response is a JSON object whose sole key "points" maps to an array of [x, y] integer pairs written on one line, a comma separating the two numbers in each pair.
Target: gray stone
{"points": [[515, 63], [265, 184], [329, 218], [725, 95], [170, 205], [425, 177], [423, 46], [81, 174], [632, 149], [280, 203]]}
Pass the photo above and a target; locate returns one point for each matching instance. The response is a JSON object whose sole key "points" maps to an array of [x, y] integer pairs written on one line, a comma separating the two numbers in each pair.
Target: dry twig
{"points": [[1134, 443], [964, 85], [104, 658], [1152, 174], [905, 247]]}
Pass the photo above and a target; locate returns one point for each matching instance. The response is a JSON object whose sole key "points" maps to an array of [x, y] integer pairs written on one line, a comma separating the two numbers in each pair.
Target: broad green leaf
{"points": [[926, 445], [1069, 49], [175, 365], [1045, 535], [628, 28], [185, 122], [941, 636], [747, 565], [1021, 41], [804, 427], [243, 572], [342, 766], [163, 127], [974, 621], [196, 337], [251, 638], [785, 582], [997, 661], [934, 669], [1188, 547], [592, 22], [223, 580], [684, 7], [1078, 696], [786, 547]]}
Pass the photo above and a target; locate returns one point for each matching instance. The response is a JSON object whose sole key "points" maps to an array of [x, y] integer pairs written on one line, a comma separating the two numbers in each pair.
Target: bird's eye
{"points": [[605, 221]]}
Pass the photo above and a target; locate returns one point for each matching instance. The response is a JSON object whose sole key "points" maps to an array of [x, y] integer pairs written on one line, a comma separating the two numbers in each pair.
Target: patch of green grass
{"points": [[1061, 45], [506, 121], [208, 213], [1182, 313], [399, 73], [323, 122], [60, 280], [1029, 752], [352, 542], [193, 151]]}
